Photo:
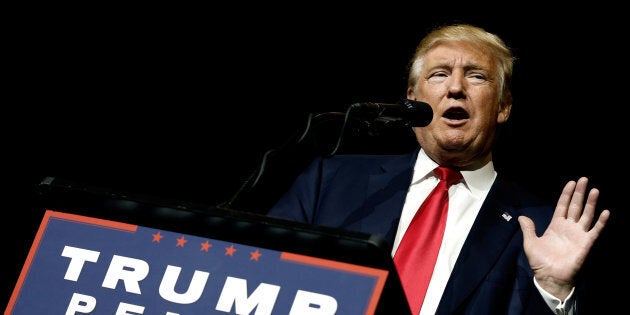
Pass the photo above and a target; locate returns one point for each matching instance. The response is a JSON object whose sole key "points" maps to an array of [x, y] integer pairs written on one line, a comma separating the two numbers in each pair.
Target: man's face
{"points": [[460, 82]]}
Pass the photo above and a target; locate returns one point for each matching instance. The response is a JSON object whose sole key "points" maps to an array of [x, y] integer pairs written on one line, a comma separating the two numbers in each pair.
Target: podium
{"points": [[99, 251]]}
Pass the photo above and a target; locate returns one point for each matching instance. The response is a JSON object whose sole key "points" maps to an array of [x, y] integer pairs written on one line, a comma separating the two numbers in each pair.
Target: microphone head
{"points": [[406, 113], [416, 113]]}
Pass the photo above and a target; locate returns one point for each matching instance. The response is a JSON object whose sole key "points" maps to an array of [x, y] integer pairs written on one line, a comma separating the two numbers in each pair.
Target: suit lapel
{"points": [[387, 190], [491, 232]]}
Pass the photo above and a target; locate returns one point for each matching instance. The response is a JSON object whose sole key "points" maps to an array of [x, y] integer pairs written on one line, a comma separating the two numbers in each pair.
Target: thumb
{"points": [[527, 226]]}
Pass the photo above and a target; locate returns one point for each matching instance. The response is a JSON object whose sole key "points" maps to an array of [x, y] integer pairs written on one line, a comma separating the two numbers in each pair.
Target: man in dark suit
{"points": [[490, 261]]}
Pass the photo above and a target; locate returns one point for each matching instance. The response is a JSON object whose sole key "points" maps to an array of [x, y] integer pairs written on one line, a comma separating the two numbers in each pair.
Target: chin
{"points": [[454, 142]]}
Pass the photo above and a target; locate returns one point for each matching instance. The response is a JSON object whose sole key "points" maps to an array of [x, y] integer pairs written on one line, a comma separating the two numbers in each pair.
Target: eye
{"points": [[439, 74], [438, 77], [476, 78]]}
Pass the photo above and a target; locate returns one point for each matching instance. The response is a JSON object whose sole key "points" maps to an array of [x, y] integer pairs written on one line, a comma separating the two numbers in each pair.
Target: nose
{"points": [[456, 85]]}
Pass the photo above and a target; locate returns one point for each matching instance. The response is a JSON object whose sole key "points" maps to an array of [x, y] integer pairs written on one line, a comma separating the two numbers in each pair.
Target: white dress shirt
{"points": [[465, 200]]}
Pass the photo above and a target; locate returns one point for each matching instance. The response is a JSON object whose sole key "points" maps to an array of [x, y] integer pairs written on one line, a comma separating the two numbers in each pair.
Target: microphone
{"points": [[406, 113]]}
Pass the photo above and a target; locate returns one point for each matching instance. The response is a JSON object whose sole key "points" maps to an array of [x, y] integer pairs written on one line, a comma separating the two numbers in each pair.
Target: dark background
{"points": [[182, 102]]}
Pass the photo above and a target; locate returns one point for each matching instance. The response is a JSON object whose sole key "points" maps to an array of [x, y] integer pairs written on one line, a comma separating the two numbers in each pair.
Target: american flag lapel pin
{"points": [[506, 216]]}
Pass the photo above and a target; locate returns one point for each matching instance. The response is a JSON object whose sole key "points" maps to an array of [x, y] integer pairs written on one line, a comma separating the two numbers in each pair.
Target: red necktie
{"points": [[418, 250]]}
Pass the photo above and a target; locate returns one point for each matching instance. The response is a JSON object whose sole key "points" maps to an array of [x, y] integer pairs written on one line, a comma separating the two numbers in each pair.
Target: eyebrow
{"points": [[467, 67]]}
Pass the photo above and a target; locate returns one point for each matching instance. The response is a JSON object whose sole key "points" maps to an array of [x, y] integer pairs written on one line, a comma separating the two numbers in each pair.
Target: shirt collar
{"points": [[477, 180]]}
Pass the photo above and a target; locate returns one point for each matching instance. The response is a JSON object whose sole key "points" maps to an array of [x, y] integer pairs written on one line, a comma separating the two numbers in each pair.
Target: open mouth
{"points": [[455, 113]]}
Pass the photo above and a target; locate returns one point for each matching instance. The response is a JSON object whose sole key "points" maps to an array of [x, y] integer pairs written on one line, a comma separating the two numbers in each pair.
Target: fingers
{"points": [[562, 206], [601, 222], [589, 209], [571, 205], [577, 200]]}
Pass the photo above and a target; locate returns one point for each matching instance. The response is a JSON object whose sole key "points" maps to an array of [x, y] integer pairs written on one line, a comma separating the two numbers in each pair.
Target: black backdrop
{"points": [[182, 103]]}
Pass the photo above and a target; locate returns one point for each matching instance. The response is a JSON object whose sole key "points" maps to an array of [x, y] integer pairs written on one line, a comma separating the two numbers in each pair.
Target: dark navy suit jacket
{"points": [[365, 193]]}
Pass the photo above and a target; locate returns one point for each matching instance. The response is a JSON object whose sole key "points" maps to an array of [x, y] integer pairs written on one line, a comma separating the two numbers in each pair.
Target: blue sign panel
{"points": [[85, 265]]}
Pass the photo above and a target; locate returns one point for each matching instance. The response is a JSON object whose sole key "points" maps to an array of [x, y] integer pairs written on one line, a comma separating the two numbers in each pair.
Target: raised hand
{"points": [[557, 255]]}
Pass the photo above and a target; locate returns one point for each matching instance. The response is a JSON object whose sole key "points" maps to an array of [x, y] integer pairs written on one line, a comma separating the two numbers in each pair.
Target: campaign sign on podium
{"points": [[85, 265]]}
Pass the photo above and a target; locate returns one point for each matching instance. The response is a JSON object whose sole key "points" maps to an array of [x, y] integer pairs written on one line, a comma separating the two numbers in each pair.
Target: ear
{"points": [[504, 111]]}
